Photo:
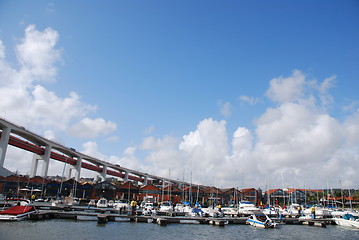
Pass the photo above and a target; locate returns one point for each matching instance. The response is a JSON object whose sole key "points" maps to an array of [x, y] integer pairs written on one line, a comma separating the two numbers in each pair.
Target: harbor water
{"points": [[56, 229]]}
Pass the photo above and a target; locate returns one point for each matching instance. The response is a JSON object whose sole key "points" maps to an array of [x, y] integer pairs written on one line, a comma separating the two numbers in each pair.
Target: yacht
{"points": [[246, 208], [102, 203]]}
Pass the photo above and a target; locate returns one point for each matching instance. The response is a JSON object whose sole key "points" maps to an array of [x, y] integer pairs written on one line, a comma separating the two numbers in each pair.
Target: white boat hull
{"points": [[346, 223], [18, 217]]}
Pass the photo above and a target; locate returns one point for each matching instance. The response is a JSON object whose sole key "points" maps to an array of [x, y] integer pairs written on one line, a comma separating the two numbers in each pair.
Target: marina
{"points": [[105, 215], [83, 229]]}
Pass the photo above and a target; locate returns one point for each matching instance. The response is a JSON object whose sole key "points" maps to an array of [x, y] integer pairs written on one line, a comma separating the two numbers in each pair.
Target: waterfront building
{"points": [[104, 189], [232, 196], [171, 193], [212, 196], [253, 195], [127, 191], [150, 190]]}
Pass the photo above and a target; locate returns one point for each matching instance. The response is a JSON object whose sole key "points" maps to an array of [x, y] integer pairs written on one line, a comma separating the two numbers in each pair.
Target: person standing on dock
{"points": [[219, 207], [312, 210], [133, 206], [299, 210]]}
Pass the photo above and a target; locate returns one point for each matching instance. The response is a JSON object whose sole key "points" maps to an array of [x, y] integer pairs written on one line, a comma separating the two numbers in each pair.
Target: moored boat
{"points": [[348, 220], [166, 207], [247, 208], [20, 211], [259, 219], [102, 203]]}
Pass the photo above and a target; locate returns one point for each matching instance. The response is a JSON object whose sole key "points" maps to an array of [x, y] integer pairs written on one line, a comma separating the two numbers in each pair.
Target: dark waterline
{"points": [[58, 229]]}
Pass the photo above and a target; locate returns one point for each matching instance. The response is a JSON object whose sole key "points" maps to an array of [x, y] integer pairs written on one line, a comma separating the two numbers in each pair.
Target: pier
{"points": [[103, 216]]}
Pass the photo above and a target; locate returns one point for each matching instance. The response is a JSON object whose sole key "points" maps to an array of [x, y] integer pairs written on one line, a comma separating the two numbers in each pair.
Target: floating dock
{"points": [[102, 216]]}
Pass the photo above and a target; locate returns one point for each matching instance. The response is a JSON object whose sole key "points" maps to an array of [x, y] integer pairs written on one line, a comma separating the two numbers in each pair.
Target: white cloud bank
{"points": [[27, 102], [295, 142]]}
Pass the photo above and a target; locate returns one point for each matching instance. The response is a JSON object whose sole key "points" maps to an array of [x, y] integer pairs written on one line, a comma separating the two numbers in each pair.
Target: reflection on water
{"points": [[57, 229]]}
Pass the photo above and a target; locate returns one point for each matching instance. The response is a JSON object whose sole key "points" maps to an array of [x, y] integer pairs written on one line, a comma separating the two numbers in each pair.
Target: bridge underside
{"points": [[45, 150]]}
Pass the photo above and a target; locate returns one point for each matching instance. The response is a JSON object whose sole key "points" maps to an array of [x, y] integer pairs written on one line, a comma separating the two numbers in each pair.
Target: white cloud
{"points": [[37, 54], [2, 50], [323, 88], [225, 108], [293, 143], [287, 89], [26, 102], [293, 136], [91, 128], [250, 100]]}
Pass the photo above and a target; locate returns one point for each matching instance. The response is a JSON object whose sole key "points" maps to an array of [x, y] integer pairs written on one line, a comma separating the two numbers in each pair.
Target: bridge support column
{"points": [[34, 164], [145, 181], [126, 177], [68, 171], [4, 140], [78, 168], [103, 173], [46, 158]]}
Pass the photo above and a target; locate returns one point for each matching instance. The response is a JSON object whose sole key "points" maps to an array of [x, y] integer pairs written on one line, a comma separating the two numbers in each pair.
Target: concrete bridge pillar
{"points": [[103, 173], [126, 177], [68, 172], [78, 168], [145, 181], [4, 140], [46, 158], [34, 164]]}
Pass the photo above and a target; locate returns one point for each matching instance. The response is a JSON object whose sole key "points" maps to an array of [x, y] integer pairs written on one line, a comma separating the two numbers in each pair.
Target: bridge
{"points": [[46, 150]]}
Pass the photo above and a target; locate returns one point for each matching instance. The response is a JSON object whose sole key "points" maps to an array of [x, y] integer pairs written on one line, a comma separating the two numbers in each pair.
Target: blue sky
{"points": [[165, 85]]}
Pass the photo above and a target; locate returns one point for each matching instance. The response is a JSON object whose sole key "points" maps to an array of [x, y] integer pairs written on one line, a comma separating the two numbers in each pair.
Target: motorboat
{"points": [[212, 211], [292, 210], [20, 211], [230, 211], [247, 208], [183, 207], [147, 199], [271, 211], [102, 203], [196, 212], [166, 207], [122, 206], [338, 213], [148, 209], [348, 220], [259, 219]]}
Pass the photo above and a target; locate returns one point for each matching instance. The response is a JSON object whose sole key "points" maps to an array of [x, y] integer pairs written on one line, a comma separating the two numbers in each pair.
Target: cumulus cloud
{"points": [[37, 55], [287, 89], [27, 102], [294, 142], [91, 128], [225, 108]]}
